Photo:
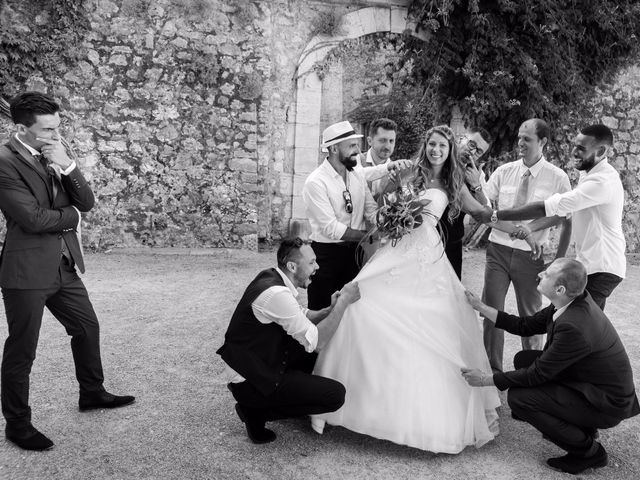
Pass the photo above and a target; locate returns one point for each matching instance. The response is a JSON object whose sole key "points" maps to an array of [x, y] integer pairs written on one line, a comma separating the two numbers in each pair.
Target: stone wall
{"points": [[180, 116], [618, 106], [183, 115]]}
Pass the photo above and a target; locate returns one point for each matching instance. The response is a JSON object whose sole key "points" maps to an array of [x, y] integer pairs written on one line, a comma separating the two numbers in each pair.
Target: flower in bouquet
{"points": [[401, 212]]}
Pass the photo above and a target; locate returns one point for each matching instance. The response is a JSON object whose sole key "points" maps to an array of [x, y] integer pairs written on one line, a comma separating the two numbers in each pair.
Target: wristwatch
{"points": [[494, 216], [476, 189]]}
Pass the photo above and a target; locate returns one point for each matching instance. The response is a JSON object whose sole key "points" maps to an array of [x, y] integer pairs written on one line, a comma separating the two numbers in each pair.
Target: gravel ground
{"points": [[162, 318]]}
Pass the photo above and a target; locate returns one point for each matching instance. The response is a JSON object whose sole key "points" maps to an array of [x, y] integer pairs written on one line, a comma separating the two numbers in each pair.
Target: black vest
{"points": [[257, 351]]}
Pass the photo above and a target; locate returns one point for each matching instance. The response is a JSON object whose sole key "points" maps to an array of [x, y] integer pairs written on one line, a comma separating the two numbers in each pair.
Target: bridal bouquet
{"points": [[401, 212]]}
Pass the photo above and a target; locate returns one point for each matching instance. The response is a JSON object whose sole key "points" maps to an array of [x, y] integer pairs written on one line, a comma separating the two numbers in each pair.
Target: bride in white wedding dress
{"points": [[399, 350]]}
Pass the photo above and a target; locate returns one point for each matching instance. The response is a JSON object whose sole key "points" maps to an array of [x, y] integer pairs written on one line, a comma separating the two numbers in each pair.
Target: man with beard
{"points": [[379, 170], [377, 162], [509, 260], [595, 206], [267, 345], [472, 147], [338, 202]]}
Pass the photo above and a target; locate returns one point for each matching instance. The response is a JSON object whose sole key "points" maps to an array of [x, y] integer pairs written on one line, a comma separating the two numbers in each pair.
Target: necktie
{"points": [[523, 190], [48, 169], [52, 177]]}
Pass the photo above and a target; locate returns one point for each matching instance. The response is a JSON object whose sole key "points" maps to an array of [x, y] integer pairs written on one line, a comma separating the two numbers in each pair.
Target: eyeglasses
{"points": [[473, 148], [347, 200]]}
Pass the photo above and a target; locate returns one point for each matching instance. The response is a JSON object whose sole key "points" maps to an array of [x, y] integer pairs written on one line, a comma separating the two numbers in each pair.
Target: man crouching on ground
{"points": [[269, 345]]}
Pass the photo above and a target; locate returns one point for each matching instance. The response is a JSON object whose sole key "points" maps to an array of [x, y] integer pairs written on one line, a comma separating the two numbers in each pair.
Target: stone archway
{"points": [[306, 126]]}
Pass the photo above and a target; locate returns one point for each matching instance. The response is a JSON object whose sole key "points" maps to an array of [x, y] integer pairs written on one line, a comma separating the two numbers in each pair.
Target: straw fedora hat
{"points": [[338, 132]]}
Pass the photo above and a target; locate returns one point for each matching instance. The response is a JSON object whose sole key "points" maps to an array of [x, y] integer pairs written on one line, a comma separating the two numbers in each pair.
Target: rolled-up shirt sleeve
{"points": [[374, 172], [587, 194], [320, 211], [278, 305]]}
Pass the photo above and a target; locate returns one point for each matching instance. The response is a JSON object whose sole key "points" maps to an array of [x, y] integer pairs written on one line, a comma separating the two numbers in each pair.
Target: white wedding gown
{"points": [[399, 350]]}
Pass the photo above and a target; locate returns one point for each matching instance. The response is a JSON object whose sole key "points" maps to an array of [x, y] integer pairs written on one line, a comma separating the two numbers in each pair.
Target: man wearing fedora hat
{"points": [[338, 203]]}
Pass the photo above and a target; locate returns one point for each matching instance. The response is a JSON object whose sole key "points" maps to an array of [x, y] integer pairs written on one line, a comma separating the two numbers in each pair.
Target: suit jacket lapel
{"points": [[550, 326], [26, 158]]}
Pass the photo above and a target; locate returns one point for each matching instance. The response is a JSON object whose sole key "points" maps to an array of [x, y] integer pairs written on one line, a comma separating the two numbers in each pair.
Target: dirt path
{"points": [[162, 318]]}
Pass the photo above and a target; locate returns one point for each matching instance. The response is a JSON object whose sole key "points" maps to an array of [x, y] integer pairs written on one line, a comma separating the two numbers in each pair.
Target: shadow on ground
{"points": [[163, 317]]}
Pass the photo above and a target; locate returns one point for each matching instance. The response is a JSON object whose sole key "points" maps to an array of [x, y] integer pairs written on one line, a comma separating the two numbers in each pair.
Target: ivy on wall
{"points": [[38, 36], [375, 63], [502, 61]]}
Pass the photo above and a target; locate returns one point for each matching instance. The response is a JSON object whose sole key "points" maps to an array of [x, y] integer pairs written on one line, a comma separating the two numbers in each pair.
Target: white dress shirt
{"points": [[325, 205], [375, 174], [561, 310], [278, 304], [595, 206], [502, 187]]}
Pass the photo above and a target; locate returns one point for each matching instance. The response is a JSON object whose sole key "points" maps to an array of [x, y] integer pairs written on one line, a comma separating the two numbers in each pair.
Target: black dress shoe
{"points": [[255, 427], [28, 438], [573, 464], [515, 416], [104, 400]]}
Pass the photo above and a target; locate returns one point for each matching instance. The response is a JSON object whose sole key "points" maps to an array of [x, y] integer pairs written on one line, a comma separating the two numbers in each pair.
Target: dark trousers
{"points": [[600, 285], [453, 249], [562, 414], [338, 266], [69, 303], [506, 265], [299, 393]]}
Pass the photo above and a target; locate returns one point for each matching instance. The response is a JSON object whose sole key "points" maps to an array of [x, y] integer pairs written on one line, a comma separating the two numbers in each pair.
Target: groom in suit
{"points": [[42, 193], [582, 379]]}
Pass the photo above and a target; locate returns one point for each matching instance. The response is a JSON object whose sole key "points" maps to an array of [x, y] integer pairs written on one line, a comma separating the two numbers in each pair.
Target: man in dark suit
{"points": [[269, 343], [581, 381], [42, 193]]}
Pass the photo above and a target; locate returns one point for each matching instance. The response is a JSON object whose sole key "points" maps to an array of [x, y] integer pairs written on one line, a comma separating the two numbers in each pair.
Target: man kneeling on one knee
{"points": [[581, 381], [269, 345]]}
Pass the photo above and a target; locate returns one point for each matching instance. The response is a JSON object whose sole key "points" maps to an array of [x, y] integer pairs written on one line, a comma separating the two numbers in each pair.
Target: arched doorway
{"points": [[306, 127]]}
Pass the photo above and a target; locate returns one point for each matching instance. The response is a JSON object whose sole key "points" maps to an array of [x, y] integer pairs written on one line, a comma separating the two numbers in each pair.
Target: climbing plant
{"points": [[37, 36], [502, 61]]}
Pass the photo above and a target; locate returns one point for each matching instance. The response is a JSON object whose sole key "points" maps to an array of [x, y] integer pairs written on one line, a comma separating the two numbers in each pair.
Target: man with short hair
{"points": [[595, 206], [270, 336], [530, 178], [580, 382], [42, 193], [338, 204], [379, 170], [382, 142], [472, 146]]}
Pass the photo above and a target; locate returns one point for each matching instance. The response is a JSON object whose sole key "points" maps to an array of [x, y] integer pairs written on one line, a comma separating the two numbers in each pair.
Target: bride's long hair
{"points": [[452, 176]]}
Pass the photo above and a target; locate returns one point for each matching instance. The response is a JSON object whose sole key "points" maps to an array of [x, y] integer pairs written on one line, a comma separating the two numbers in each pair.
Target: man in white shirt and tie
{"points": [[595, 206], [509, 260]]}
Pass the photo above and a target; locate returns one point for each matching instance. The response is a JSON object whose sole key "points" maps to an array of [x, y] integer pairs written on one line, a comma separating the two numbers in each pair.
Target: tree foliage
{"points": [[37, 36], [502, 61], [374, 70]]}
